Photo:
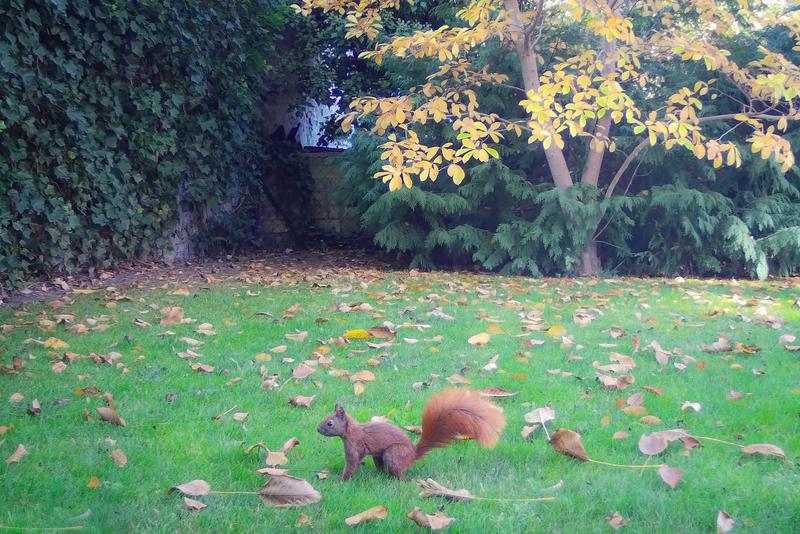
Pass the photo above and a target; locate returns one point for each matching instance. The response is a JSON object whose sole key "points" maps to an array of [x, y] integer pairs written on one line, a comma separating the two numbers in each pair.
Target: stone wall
{"points": [[327, 214]]}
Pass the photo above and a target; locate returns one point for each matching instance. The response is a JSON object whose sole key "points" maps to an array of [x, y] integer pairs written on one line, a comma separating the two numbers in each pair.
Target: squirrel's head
{"points": [[335, 424]]}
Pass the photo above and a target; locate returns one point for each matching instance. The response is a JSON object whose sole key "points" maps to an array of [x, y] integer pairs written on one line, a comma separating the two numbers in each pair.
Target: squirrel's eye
{"points": [[330, 423]]}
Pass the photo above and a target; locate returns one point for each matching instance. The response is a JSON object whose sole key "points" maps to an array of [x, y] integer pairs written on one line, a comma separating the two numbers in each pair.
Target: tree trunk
{"points": [[590, 261]]}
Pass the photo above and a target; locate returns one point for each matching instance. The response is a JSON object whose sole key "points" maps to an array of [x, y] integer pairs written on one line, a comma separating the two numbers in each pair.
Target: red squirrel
{"points": [[447, 415]]}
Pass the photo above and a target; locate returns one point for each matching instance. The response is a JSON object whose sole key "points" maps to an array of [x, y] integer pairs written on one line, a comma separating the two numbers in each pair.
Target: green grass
{"points": [[169, 443]]}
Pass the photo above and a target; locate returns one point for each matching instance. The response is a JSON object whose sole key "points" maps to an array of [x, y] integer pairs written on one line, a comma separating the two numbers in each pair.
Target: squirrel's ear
{"points": [[338, 410]]}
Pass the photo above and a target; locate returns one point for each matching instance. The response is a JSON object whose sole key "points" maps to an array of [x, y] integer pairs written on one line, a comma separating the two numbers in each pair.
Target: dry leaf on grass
{"points": [[286, 491], [173, 316], [193, 505], [202, 367], [767, 449], [272, 472], [735, 395], [491, 366], [540, 415], [240, 416], [569, 443], [364, 376], [651, 420], [670, 475], [206, 329], [109, 415], [435, 521], [615, 520], [458, 379], [93, 482], [479, 340], [193, 488], [301, 402], [496, 392], [431, 488], [302, 371], [298, 336], [58, 367], [724, 522], [374, 513], [721, 345], [615, 382], [118, 457], [19, 453], [652, 444]]}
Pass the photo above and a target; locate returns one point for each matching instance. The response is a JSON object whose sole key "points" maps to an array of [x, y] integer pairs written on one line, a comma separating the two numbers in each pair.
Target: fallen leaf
{"points": [[670, 475], [652, 444], [193, 488], [19, 453], [358, 388], [653, 390], [734, 395], [119, 458], [54, 343], [458, 379], [635, 411], [691, 405], [141, 323], [93, 482], [479, 340], [381, 332], [272, 472], [240, 416], [298, 336], [528, 430], [615, 520], [650, 420], [373, 514], [301, 402], [302, 519], [58, 367], [173, 316], [620, 434], [286, 491], [16, 397], [557, 330], [358, 333], [365, 376], [637, 399], [720, 345], [724, 522], [540, 415], [496, 392], [193, 505], [109, 415], [36, 408], [435, 521], [767, 449], [492, 365], [569, 443], [302, 371], [202, 367], [206, 329]]}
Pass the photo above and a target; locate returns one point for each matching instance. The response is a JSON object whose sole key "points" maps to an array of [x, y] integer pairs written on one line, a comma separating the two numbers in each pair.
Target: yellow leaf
{"points": [[358, 388], [93, 482], [456, 173], [358, 333], [54, 343], [557, 330]]}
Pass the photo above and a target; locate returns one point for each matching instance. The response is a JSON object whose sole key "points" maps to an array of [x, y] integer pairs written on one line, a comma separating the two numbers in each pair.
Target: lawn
{"points": [[181, 423]]}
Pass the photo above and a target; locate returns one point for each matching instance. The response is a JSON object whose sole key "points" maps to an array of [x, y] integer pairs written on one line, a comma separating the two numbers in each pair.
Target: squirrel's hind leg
{"points": [[378, 459], [398, 458]]}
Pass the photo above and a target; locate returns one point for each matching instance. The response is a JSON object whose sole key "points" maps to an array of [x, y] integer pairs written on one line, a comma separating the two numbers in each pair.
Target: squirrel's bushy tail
{"points": [[459, 412]]}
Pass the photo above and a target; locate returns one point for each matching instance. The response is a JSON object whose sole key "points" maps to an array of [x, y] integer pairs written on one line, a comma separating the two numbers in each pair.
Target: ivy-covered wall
{"points": [[119, 116]]}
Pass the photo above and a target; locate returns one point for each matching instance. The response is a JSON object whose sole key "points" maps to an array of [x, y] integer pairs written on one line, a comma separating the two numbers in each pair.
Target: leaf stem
{"points": [[719, 441], [36, 529], [499, 499], [641, 466]]}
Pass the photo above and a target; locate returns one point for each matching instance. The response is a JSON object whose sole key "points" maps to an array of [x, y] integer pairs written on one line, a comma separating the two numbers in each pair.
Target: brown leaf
{"points": [[16, 397], [240, 416], [301, 402], [374, 513], [650, 420], [272, 472], [670, 475], [297, 336], [635, 411], [540, 415], [653, 390], [93, 482], [458, 379], [720, 345], [202, 367], [302, 519], [569, 443], [735, 395], [435, 521], [19, 453], [193, 488], [302, 371], [119, 458], [724, 522], [431, 488], [173, 316], [193, 505], [206, 329], [381, 332], [496, 392], [479, 340], [615, 520], [652, 444], [286, 491], [364, 376], [617, 383], [767, 449], [620, 434], [290, 444], [109, 414]]}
